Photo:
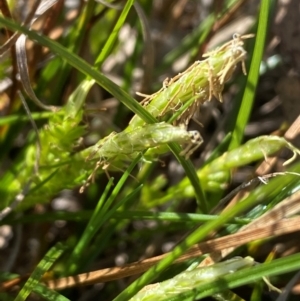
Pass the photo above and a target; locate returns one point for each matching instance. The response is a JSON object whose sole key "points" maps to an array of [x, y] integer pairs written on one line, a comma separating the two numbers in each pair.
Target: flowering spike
{"points": [[200, 81]]}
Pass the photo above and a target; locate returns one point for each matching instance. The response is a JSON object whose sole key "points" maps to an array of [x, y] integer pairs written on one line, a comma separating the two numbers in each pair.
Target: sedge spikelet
{"points": [[128, 144], [189, 280], [201, 81]]}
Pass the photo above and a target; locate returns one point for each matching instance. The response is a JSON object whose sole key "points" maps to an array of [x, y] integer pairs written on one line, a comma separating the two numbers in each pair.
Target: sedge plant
{"points": [[54, 159]]}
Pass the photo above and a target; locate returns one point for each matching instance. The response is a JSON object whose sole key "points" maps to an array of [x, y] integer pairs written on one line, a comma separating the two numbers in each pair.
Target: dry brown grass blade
{"points": [[286, 208], [273, 223], [276, 228]]}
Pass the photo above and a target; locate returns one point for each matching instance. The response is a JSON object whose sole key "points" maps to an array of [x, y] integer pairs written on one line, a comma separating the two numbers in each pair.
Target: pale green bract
{"points": [[189, 280], [125, 146], [128, 144], [215, 175]]}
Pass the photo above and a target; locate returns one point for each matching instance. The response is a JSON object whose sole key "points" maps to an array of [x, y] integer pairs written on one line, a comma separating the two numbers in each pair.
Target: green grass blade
{"points": [[103, 239], [98, 219], [192, 176], [106, 51], [195, 38], [253, 76], [190, 44], [44, 265], [246, 276], [84, 215], [7, 120], [100, 204], [48, 294], [73, 41], [83, 67], [256, 197]]}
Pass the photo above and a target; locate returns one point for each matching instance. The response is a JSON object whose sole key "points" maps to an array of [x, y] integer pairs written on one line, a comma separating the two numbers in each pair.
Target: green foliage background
{"points": [[55, 159]]}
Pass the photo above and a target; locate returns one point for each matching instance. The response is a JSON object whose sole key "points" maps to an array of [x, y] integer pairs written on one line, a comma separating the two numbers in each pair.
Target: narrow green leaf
{"points": [[246, 276], [253, 76], [48, 294], [101, 216], [84, 215], [199, 234], [45, 264], [113, 36]]}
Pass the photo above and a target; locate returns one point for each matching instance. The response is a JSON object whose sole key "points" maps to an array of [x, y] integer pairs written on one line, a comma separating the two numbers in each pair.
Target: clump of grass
{"points": [[54, 159]]}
